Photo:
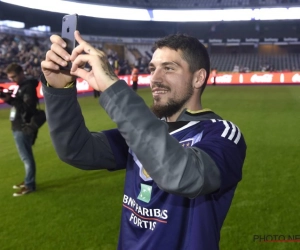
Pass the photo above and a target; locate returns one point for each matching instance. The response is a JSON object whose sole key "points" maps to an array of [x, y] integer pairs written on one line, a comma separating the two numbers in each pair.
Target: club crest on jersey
{"points": [[143, 173], [188, 142]]}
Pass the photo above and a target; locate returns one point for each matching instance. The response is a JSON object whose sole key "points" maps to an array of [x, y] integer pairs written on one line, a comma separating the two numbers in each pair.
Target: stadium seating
{"points": [[256, 62], [224, 58], [190, 4]]}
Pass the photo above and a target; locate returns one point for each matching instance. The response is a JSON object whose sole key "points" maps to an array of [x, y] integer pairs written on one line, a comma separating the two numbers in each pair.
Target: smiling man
{"points": [[183, 162], [177, 78]]}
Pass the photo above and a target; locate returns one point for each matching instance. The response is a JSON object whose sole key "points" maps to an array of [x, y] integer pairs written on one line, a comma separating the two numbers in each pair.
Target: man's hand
{"points": [[102, 75], [55, 57]]}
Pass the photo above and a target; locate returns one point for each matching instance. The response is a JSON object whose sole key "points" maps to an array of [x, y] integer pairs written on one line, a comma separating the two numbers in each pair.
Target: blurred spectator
{"points": [[214, 75], [134, 78], [247, 69], [30, 51], [27, 51], [244, 69], [143, 67], [266, 67], [96, 93], [125, 68], [236, 68]]}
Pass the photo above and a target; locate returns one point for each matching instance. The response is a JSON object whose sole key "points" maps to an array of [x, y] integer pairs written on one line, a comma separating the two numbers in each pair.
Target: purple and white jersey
{"points": [[154, 219]]}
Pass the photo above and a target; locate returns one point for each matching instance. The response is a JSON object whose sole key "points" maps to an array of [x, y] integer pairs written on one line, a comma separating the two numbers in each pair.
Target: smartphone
{"points": [[69, 25]]}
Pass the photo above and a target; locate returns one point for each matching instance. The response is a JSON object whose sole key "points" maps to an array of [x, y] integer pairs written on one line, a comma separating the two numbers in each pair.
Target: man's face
{"points": [[14, 77], [171, 82]]}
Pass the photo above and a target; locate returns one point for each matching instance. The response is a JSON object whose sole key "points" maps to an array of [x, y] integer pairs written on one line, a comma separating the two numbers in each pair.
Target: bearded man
{"points": [[183, 162]]}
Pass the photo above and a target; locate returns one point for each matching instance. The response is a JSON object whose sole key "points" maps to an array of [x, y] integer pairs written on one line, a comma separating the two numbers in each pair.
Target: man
{"points": [[134, 78], [96, 93], [23, 107], [181, 170], [214, 75]]}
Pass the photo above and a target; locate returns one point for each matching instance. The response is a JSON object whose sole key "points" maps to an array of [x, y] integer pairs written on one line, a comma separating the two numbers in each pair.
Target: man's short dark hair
{"points": [[193, 51], [14, 68]]}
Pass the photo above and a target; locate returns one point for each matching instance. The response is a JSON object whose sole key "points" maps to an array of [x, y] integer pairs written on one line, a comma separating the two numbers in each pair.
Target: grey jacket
{"points": [[145, 134]]}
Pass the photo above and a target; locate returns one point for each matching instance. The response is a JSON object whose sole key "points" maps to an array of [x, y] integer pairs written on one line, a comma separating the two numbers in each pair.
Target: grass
{"points": [[75, 209]]}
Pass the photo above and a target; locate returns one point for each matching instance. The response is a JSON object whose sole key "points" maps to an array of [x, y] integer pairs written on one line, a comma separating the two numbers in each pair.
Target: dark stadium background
{"points": [[106, 27], [280, 56], [74, 209]]}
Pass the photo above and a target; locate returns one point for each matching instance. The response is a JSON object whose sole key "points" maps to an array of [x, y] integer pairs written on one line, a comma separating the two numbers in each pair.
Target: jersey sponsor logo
{"points": [[142, 217], [231, 131], [145, 193]]}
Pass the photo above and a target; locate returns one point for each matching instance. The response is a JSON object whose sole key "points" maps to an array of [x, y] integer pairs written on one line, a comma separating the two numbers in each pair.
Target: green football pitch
{"points": [[75, 209]]}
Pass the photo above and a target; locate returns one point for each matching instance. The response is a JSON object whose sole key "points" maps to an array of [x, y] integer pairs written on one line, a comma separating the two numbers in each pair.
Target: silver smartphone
{"points": [[69, 25]]}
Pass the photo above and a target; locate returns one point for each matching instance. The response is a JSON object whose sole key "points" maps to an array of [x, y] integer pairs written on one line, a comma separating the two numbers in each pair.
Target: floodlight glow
{"points": [[90, 10], [207, 15], [237, 15], [202, 15], [276, 14], [293, 13], [13, 24], [34, 4], [186, 15]]}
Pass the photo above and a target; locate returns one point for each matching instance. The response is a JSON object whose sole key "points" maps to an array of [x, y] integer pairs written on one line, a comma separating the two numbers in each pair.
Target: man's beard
{"points": [[172, 106]]}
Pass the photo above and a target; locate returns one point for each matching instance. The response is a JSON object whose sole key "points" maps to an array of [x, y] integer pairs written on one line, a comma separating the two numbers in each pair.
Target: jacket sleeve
{"points": [[17, 101], [25, 100], [73, 142], [6, 97], [189, 172]]}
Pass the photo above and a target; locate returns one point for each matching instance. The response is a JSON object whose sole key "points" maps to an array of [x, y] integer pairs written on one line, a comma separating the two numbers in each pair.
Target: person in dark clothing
{"points": [[23, 107], [134, 78], [96, 93], [214, 75]]}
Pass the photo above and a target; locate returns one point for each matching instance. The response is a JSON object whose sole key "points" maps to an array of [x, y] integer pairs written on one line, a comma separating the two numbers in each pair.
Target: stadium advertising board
{"points": [[257, 78], [221, 79]]}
